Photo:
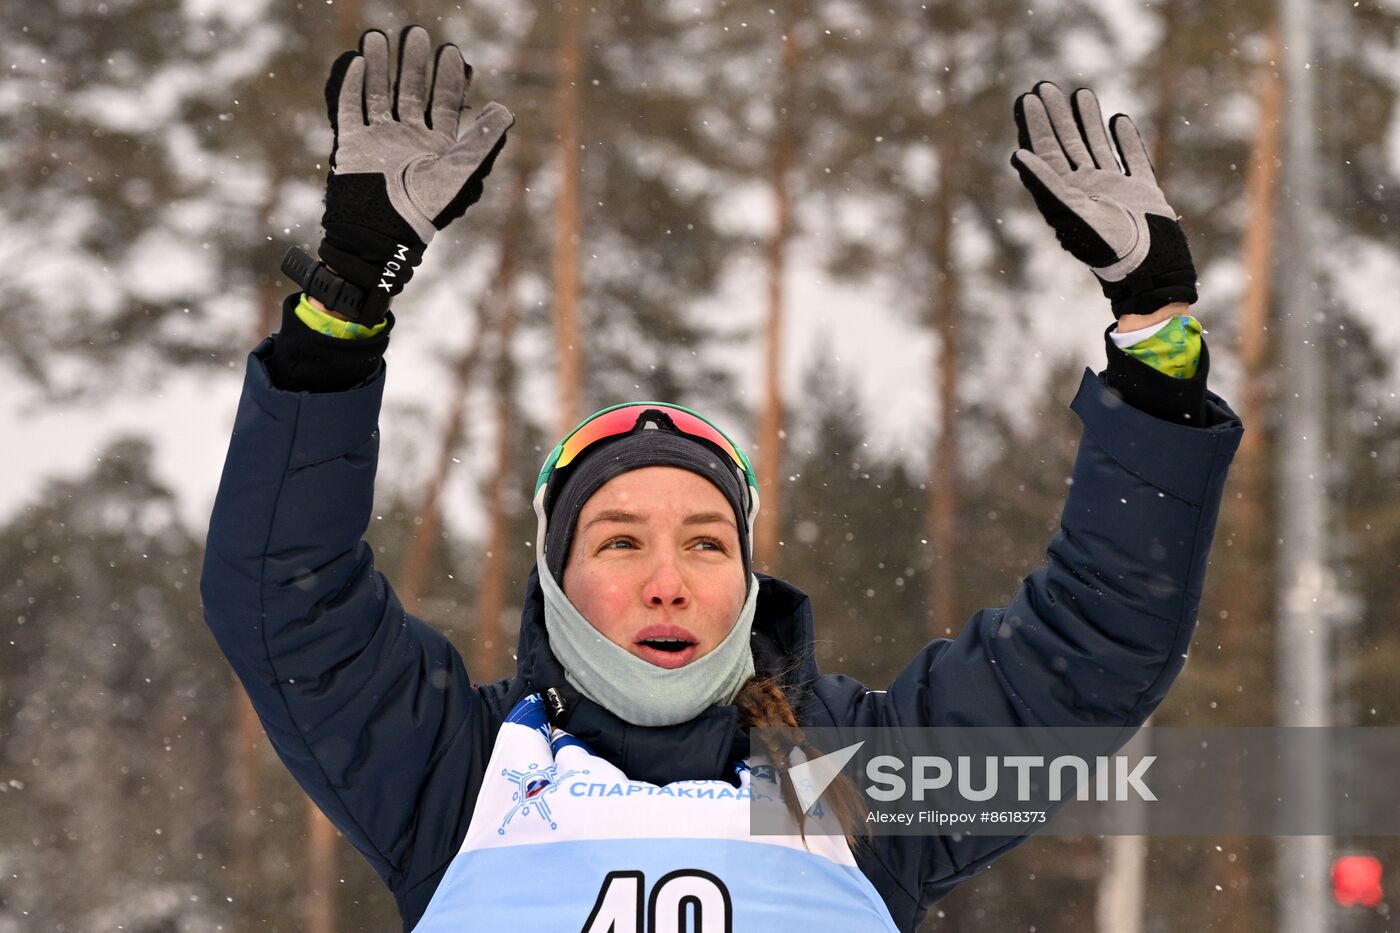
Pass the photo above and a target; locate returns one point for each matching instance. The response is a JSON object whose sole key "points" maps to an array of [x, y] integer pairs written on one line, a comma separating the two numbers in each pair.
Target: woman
{"points": [[614, 764]]}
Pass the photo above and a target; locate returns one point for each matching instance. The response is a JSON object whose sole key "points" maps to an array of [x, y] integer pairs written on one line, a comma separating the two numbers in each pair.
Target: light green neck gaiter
{"points": [[632, 689]]}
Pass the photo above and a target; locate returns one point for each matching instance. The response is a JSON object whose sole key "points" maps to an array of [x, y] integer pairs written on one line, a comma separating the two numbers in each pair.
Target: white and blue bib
{"points": [[561, 840]]}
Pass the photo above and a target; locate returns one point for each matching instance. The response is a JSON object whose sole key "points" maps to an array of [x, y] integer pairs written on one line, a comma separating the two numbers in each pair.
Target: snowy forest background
{"points": [[797, 216]]}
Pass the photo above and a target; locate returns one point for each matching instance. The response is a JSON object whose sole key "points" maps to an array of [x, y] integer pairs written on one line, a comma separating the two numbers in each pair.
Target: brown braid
{"points": [[762, 704]]}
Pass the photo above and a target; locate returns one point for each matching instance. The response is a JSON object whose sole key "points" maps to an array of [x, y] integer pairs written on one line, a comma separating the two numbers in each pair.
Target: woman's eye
{"points": [[713, 545]]}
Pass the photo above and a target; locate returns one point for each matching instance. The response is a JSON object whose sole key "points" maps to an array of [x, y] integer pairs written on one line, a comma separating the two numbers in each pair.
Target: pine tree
{"points": [[112, 710]]}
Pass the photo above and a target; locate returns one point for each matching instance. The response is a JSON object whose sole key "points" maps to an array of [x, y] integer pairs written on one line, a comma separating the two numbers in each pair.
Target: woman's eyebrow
{"points": [[706, 518], [615, 515]]}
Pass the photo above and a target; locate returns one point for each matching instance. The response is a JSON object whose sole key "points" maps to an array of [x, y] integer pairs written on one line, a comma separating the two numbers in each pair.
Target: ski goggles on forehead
{"points": [[634, 416]]}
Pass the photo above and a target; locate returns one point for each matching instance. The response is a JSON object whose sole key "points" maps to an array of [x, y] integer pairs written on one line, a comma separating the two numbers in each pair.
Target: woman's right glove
{"points": [[399, 171], [1115, 220]]}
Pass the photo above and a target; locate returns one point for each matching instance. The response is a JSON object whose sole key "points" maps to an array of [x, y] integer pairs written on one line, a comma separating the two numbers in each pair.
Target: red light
{"points": [[1356, 881]]}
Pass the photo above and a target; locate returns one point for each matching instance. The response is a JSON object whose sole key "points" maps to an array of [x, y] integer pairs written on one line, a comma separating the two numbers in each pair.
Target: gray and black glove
{"points": [[399, 170], [1115, 219]]}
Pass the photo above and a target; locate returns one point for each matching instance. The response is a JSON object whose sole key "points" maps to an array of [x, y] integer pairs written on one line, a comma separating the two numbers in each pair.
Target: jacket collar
{"points": [[703, 748]]}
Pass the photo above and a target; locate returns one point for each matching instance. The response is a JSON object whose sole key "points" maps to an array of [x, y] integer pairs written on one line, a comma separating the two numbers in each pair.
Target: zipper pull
{"points": [[556, 705]]}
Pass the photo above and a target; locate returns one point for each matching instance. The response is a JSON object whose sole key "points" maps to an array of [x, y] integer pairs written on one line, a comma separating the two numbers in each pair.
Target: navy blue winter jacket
{"points": [[377, 718]]}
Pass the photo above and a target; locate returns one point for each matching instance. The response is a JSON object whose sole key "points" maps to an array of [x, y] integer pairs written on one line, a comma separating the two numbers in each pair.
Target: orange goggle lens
{"points": [[623, 420]]}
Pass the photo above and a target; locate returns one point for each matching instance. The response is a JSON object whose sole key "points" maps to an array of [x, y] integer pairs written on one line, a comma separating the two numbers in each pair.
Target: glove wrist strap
{"points": [[319, 282]]}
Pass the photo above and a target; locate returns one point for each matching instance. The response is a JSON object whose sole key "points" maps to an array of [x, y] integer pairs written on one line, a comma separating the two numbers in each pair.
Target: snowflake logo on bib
{"points": [[532, 785]]}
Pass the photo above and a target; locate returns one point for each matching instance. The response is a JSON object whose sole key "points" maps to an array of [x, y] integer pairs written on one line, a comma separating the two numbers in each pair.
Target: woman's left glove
{"points": [[1115, 219], [399, 171]]}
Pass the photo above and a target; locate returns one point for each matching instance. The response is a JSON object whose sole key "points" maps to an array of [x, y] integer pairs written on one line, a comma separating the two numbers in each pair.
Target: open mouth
{"points": [[667, 646]]}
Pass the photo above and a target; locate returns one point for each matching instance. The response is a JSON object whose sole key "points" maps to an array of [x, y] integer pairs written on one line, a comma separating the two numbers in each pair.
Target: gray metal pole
{"points": [[1123, 885], [1307, 599]]}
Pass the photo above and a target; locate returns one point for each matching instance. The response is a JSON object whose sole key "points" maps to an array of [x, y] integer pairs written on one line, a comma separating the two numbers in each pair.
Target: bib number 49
{"points": [[685, 901]]}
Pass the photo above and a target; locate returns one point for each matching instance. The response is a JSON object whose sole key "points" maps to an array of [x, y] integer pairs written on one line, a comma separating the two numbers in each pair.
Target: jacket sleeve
{"points": [[1094, 637], [369, 708]]}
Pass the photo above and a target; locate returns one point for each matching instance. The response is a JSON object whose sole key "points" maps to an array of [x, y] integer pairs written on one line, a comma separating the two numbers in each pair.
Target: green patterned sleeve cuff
{"points": [[323, 323], [1161, 371], [1175, 349], [304, 359]]}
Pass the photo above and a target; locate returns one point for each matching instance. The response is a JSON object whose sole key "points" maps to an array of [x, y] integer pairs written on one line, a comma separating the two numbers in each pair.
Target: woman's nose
{"points": [[665, 586]]}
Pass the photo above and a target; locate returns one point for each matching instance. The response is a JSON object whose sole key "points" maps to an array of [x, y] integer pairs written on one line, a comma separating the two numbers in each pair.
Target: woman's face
{"points": [[655, 565]]}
